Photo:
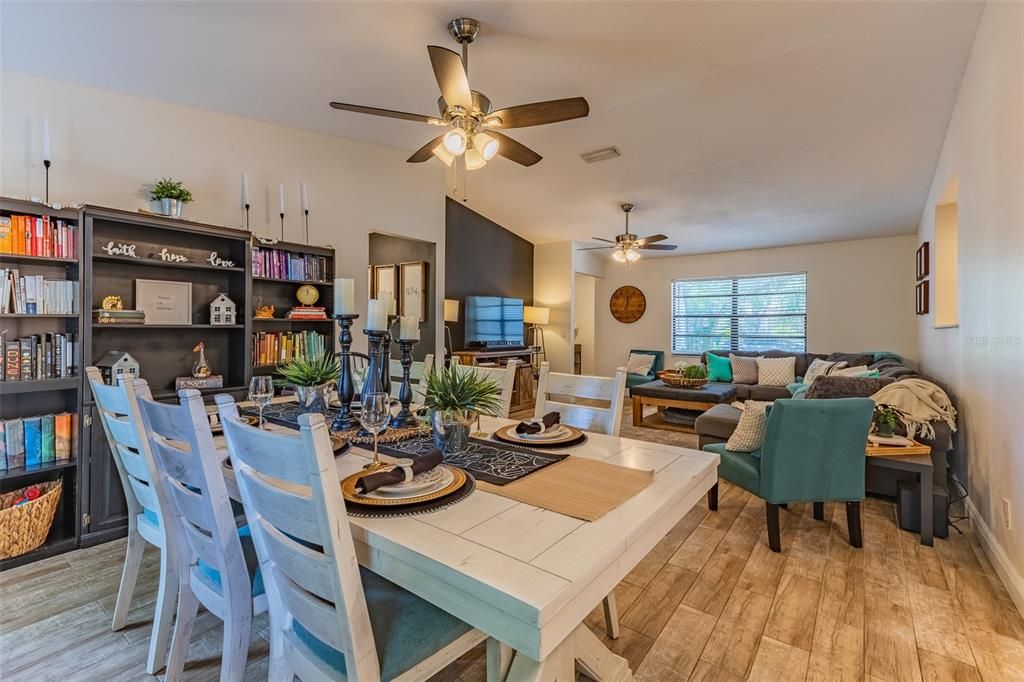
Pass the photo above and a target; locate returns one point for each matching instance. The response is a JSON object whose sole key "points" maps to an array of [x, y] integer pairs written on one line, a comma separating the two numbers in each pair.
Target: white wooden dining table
{"points": [[527, 576]]}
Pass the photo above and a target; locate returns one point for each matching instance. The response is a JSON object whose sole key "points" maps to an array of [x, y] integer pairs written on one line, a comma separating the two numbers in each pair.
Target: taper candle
{"points": [[344, 296], [304, 195], [281, 192], [46, 140], [245, 190], [408, 328], [377, 315]]}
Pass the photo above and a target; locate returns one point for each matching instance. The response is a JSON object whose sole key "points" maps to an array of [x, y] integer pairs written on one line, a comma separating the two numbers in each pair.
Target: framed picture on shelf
{"points": [[165, 302], [412, 278], [385, 281], [923, 260]]}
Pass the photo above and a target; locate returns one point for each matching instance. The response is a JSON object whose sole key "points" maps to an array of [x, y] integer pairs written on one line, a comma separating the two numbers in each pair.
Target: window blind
{"points": [[751, 313]]}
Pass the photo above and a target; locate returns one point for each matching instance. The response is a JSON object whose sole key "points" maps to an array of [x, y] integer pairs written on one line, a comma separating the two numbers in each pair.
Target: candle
{"points": [[344, 296], [304, 193], [46, 140], [281, 192], [377, 315], [390, 300], [409, 328], [245, 190]]}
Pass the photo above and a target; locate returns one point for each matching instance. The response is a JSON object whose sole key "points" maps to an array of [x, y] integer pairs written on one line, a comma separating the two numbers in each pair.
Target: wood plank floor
{"points": [[710, 602]]}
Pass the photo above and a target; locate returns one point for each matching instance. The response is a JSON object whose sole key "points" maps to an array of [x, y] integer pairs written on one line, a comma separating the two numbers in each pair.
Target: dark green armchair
{"points": [[659, 364], [813, 451]]}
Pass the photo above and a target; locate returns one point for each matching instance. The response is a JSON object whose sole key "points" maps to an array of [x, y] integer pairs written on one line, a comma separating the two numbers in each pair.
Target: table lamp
{"points": [[451, 314]]}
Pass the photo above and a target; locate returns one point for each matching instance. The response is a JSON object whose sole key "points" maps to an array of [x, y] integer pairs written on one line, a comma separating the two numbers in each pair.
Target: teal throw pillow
{"points": [[719, 368]]}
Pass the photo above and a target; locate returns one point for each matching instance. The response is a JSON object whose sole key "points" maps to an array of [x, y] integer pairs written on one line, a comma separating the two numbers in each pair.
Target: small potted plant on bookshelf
{"points": [[453, 399], [172, 196], [312, 379]]}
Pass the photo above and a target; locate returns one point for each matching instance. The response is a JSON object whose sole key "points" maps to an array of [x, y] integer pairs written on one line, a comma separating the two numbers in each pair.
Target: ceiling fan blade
{"points": [[595, 248], [374, 111], [658, 247], [425, 152], [602, 239], [515, 151], [451, 77], [651, 239], [541, 113]]}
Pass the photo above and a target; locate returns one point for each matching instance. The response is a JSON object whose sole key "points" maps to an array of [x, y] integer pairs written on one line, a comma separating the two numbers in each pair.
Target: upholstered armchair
{"points": [[813, 451], [659, 364]]}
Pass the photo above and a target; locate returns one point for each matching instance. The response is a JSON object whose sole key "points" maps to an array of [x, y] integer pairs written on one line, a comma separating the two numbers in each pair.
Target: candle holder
{"points": [[345, 420], [405, 417], [247, 218], [385, 370], [46, 170], [307, 226], [282, 226]]}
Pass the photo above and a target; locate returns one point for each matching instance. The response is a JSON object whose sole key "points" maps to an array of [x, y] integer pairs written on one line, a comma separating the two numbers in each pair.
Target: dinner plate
{"points": [[349, 492], [436, 481], [557, 431], [570, 435], [248, 421], [422, 481]]}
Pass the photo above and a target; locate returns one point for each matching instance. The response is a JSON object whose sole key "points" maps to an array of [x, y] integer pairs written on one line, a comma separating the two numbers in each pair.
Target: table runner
{"points": [[489, 462]]}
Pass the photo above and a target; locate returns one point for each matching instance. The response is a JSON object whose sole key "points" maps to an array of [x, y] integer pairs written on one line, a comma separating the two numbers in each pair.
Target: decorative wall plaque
{"points": [[628, 304]]}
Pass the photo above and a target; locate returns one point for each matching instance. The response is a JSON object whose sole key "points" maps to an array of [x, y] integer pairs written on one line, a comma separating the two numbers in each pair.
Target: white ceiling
{"points": [[742, 124]]}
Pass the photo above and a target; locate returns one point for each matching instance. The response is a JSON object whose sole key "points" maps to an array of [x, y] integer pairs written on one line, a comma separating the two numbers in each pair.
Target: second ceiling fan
{"points": [[472, 126], [628, 246]]}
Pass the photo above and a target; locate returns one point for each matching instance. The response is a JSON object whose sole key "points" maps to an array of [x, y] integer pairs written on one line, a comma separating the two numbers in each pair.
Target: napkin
{"points": [[535, 426], [370, 482]]}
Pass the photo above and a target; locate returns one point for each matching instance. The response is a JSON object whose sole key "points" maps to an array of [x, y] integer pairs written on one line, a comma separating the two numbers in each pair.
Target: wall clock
{"points": [[628, 304]]}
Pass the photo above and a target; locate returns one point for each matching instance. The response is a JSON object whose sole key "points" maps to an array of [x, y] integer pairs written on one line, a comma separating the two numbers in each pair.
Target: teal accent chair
{"points": [[659, 364], [813, 451]]}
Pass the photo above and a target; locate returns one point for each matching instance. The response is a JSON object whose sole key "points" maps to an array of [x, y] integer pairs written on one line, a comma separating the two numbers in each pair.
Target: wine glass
{"points": [[374, 416], [261, 392]]}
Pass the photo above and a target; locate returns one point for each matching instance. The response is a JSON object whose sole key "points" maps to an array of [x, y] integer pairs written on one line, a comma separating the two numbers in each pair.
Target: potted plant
{"points": [[453, 399], [312, 379], [884, 419], [685, 376], [172, 196]]}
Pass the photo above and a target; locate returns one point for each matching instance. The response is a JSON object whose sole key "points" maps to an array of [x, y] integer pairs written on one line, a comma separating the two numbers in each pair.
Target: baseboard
{"points": [[1007, 572]]}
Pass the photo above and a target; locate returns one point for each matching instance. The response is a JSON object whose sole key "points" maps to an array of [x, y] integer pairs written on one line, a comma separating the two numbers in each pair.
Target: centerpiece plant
{"points": [[454, 398], [171, 194], [312, 378]]}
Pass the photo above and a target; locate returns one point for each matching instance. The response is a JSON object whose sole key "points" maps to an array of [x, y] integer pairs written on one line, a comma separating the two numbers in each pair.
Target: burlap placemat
{"points": [[582, 488]]}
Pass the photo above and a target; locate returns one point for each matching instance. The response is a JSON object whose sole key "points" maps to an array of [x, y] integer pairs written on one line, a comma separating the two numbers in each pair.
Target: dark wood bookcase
{"points": [[93, 508], [29, 398]]}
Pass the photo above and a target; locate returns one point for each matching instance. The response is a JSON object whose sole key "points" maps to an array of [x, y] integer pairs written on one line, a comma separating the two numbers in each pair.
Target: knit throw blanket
{"points": [[920, 403]]}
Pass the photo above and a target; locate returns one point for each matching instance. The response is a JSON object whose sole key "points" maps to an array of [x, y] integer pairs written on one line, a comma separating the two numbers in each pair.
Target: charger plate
{"points": [[348, 490], [571, 436]]}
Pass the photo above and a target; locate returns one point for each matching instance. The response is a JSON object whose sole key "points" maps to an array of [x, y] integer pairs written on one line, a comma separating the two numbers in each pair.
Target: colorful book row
{"points": [[41, 356], [27, 235], [33, 295], [279, 264], [274, 348], [28, 442]]}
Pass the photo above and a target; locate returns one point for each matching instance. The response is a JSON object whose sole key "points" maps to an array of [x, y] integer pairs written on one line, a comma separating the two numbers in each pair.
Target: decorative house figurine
{"points": [[222, 310], [117, 365]]}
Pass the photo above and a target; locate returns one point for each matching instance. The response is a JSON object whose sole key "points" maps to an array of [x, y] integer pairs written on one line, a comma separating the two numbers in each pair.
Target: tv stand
{"points": [[524, 390]]}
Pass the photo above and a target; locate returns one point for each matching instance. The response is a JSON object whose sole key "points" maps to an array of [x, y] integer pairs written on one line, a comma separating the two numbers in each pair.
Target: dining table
{"points": [[524, 575]]}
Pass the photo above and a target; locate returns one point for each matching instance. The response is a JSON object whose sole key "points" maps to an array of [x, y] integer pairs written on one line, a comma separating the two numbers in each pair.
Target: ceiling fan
{"points": [[627, 245], [472, 126]]}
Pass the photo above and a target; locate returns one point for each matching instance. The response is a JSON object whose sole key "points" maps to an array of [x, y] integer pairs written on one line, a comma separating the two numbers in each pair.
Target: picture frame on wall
{"points": [[164, 301], [923, 260], [412, 277], [922, 294], [385, 281]]}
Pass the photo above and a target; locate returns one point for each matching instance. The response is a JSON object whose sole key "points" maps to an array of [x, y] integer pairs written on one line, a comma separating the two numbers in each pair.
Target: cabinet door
{"points": [[107, 509]]}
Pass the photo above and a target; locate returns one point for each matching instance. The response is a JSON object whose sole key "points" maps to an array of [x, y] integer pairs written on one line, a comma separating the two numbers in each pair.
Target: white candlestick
{"points": [[344, 296], [304, 194], [392, 307], [46, 140], [281, 192], [377, 315], [245, 190], [408, 328]]}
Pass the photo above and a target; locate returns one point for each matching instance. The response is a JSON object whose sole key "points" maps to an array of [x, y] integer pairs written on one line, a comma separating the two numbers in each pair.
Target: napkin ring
{"points": [[405, 464]]}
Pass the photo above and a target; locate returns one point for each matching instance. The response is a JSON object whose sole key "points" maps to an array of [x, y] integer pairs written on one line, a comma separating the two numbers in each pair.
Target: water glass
{"points": [[261, 392], [374, 416]]}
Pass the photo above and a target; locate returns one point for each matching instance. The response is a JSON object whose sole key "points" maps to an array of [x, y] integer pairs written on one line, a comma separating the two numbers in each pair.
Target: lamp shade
{"points": [[536, 315], [451, 310]]}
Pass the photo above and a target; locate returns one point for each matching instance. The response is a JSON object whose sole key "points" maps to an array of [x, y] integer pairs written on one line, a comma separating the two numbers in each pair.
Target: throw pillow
{"points": [[639, 363], [850, 371], [820, 368], [744, 370], [749, 433], [776, 371], [852, 359], [719, 368], [845, 387]]}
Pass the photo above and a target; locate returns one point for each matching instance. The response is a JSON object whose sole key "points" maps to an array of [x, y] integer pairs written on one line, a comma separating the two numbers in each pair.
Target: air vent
{"points": [[604, 154]]}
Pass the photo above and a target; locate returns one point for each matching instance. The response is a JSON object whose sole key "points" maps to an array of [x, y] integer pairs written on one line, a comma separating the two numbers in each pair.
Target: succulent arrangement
{"points": [[166, 188], [454, 392], [694, 372], [309, 371]]}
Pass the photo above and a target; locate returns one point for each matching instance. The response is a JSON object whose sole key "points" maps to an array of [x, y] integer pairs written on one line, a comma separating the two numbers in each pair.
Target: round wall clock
{"points": [[628, 304], [307, 295]]}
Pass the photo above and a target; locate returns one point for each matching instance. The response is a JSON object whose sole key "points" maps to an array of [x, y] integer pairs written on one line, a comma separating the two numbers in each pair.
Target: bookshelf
{"points": [[30, 397]]}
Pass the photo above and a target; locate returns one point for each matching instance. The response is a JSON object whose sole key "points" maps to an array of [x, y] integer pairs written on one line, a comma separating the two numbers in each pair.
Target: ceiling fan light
{"points": [[632, 255], [474, 159], [487, 145], [441, 152], [619, 255], [456, 141]]}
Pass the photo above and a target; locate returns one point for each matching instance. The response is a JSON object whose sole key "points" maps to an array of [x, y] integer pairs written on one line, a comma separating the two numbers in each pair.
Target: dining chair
{"points": [[217, 561], [504, 377], [329, 618], [417, 371], [600, 419], [147, 506]]}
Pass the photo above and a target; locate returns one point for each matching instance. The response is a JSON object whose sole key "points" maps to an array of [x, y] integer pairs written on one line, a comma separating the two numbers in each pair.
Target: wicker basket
{"points": [[25, 527], [679, 381]]}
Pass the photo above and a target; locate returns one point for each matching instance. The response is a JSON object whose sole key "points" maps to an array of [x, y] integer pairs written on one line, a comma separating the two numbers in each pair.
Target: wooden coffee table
{"points": [[660, 395]]}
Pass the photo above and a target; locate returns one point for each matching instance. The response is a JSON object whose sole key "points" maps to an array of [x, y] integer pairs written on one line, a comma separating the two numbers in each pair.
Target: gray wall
{"points": [[388, 250], [483, 259]]}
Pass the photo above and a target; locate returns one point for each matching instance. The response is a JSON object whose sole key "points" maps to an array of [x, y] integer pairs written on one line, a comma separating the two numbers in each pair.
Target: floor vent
{"points": [[601, 154]]}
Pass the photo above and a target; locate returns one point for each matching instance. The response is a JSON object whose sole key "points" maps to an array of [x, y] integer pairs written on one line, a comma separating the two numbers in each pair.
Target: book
{"points": [[48, 447], [12, 361], [62, 436], [33, 441], [3, 445], [14, 431]]}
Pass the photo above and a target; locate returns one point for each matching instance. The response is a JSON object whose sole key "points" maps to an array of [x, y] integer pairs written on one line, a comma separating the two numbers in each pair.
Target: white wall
{"points": [[860, 295], [982, 360], [107, 147], [584, 309], [553, 288]]}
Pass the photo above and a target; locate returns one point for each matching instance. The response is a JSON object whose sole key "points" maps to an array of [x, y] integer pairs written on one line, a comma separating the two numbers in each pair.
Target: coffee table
{"points": [[694, 401]]}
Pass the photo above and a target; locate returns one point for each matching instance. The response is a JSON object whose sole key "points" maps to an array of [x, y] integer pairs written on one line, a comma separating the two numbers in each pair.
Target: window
{"points": [[754, 313]]}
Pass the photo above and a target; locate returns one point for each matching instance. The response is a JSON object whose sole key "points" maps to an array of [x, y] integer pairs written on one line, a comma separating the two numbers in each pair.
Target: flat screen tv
{"points": [[494, 321]]}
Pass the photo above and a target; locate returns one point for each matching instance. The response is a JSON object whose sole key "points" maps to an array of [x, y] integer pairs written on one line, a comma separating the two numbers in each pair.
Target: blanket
{"points": [[920, 402]]}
